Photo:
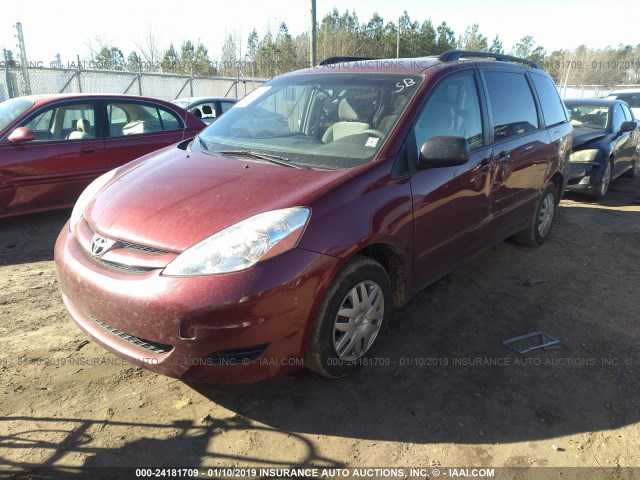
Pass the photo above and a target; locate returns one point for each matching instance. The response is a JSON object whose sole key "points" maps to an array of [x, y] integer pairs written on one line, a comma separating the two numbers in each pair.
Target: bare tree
{"points": [[149, 48], [95, 46]]}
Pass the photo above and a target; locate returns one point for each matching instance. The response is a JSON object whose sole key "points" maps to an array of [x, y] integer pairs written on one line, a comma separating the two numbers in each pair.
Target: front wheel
{"points": [[603, 186], [540, 223], [350, 317]]}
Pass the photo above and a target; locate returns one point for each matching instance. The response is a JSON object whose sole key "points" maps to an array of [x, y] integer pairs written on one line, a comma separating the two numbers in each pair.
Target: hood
{"points": [[175, 198], [584, 136]]}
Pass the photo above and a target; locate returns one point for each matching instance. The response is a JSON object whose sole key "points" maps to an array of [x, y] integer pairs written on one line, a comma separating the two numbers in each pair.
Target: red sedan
{"points": [[53, 146]]}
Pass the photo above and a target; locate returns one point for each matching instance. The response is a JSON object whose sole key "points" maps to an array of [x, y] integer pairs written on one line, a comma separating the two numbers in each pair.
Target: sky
{"points": [[69, 28]]}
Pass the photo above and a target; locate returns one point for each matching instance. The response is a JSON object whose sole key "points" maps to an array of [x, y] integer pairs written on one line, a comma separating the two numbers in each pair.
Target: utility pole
{"points": [[314, 39], [8, 63], [23, 60], [398, 41]]}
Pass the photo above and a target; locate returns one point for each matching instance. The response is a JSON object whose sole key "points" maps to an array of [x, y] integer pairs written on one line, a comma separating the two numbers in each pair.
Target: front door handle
{"points": [[89, 150]]}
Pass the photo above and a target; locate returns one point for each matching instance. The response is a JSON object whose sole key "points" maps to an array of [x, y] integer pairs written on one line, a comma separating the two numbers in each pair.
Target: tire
{"points": [[338, 342], [603, 186], [541, 221], [635, 168]]}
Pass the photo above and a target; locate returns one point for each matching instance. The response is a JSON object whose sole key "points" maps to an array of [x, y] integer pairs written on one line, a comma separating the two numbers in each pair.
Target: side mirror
{"points": [[444, 152], [628, 126], [21, 135]]}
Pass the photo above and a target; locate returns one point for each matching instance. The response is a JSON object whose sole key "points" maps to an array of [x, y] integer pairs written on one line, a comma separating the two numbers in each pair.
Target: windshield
{"points": [[323, 121], [589, 116], [12, 109]]}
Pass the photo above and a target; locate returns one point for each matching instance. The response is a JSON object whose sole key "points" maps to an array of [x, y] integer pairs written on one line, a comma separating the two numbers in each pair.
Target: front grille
{"points": [[132, 246], [154, 347], [124, 268], [141, 248]]}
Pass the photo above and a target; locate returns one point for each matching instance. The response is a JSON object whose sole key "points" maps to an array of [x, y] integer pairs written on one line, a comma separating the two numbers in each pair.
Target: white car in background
{"points": [[631, 96], [206, 109]]}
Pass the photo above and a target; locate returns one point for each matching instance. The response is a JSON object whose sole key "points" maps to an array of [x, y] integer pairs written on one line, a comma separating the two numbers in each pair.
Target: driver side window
{"points": [[618, 118], [65, 122], [452, 109]]}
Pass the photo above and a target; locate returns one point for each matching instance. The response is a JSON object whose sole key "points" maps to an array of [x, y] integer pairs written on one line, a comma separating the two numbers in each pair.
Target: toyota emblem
{"points": [[98, 246]]}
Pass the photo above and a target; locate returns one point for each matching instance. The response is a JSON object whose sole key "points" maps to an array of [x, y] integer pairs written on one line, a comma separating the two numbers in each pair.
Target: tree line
{"points": [[342, 34]]}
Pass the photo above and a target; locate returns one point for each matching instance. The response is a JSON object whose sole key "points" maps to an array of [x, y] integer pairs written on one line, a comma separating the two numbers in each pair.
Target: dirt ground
{"points": [[452, 395]]}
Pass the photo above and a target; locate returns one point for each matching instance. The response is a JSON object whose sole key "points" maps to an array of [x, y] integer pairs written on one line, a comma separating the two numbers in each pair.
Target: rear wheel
{"points": [[635, 168], [541, 221], [350, 317]]}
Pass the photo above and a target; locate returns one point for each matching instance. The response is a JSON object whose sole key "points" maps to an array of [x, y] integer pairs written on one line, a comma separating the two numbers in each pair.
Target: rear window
{"points": [[553, 109], [12, 109], [512, 105]]}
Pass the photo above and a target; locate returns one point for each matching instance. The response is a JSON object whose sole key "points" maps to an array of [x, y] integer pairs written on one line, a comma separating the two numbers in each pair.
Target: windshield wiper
{"points": [[203, 145], [278, 160]]}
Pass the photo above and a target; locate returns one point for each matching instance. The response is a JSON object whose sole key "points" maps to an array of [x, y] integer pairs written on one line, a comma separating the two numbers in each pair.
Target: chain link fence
{"points": [[17, 82], [591, 91]]}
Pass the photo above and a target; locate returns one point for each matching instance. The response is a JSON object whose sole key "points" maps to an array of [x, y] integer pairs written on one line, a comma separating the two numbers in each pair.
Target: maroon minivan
{"points": [[53, 146], [284, 233]]}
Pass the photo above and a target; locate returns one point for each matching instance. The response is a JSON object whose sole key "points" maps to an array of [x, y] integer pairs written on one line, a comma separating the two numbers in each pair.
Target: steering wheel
{"points": [[373, 133]]}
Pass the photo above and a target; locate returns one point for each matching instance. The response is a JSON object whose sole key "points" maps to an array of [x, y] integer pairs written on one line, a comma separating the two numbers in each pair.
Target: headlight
{"points": [[86, 196], [244, 244], [583, 156]]}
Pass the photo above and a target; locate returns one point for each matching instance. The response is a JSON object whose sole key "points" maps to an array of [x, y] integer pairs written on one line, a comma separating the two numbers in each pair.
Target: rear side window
{"points": [[552, 108], [170, 121], [512, 105], [131, 118]]}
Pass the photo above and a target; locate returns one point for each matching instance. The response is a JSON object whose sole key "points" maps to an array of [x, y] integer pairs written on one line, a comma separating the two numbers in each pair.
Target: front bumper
{"points": [[584, 176], [198, 328]]}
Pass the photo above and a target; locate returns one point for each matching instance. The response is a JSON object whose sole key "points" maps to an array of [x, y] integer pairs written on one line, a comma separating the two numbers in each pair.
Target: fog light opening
{"points": [[187, 332], [237, 356]]}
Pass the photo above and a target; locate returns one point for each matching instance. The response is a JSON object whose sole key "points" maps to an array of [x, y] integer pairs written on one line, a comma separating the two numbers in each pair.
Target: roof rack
{"points": [[453, 55], [333, 60]]}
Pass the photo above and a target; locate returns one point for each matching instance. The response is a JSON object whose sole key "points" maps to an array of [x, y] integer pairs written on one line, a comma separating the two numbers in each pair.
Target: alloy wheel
{"points": [[358, 320], [606, 179], [545, 217]]}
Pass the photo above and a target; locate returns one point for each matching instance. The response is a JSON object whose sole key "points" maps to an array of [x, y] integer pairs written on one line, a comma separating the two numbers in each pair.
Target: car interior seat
{"points": [[388, 121], [135, 127], [83, 130], [349, 123], [207, 111]]}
